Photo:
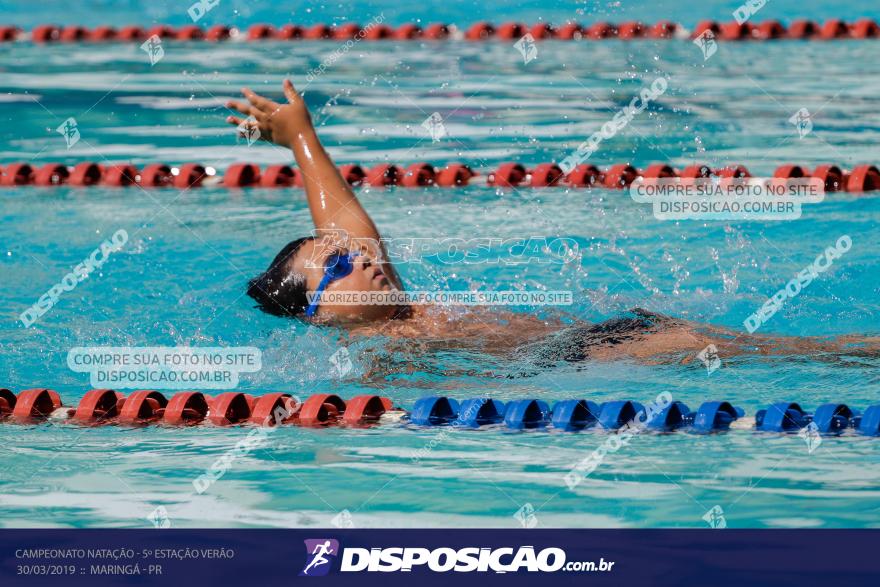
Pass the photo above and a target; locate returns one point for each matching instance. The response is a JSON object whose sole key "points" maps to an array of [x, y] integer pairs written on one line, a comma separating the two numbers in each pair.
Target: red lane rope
{"points": [[108, 406], [861, 178], [728, 31]]}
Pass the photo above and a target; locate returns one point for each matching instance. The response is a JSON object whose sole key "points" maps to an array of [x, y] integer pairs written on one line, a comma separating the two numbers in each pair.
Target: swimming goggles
{"points": [[337, 266]]}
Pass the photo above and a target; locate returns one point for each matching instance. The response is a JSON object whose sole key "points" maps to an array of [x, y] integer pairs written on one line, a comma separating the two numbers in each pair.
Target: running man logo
{"points": [[715, 518], [810, 435], [69, 131], [434, 125], [709, 357], [319, 553], [153, 48], [803, 122], [707, 44], [527, 48], [249, 130]]}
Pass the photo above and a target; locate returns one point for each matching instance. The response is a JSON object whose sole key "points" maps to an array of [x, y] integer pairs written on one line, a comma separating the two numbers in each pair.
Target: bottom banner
{"points": [[435, 557]]}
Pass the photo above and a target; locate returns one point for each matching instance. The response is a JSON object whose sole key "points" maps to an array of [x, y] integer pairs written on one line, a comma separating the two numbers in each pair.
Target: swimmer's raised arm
{"points": [[332, 203]]}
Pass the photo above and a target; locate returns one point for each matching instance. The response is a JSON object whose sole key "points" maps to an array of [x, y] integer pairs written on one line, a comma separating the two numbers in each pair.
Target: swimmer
{"points": [[311, 264]]}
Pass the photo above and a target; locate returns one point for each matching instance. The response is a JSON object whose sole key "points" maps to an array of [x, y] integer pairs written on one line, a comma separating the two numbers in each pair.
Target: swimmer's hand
{"points": [[278, 123]]}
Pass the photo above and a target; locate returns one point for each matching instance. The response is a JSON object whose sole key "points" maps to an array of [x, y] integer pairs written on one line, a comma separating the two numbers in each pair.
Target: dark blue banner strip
{"points": [[695, 558]]}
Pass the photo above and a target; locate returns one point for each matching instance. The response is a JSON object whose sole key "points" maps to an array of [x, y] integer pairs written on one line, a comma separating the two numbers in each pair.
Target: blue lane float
{"points": [[526, 414], [833, 418], [674, 416], [715, 417], [434, 411], [781, 417], [480, 411], [869, 423], [615, 414], [574, 415]]}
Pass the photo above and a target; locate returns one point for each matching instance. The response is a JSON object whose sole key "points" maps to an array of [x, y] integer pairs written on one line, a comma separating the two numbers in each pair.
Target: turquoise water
{"points": [[180, 280]]}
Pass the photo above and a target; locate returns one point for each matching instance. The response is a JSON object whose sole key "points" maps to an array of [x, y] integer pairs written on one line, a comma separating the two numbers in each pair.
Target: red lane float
{"points": [[408, 32], [98, 406], [51, 174], [663, 30], [260, 31], [186, 408], [156, 175], [102, 34], [693, 174], [274, 408], [17, 174], [162, 31], [542, 30], [318, 31], [229, 408], [454, 174], [584, 176], [546, 174], [480, 32], [630, 30], [142, 407], [242, 175], [834, 29], [437, 31], [570, 31], [508, 175], [510, 30], [417, 175], [363, 410], [831, 175], [190, 175], [378, 32], [865, 29], [190, 33], [218, 33], [803, 29], [601, 30], [353, 174], [735, 175], [863, 178], [35, 404], [7, 403], [85, 174], [321, 410], [9, 33], [384, 174], [769, 29], [278, 176], [120, 175], [131, 33], [620, 176]]}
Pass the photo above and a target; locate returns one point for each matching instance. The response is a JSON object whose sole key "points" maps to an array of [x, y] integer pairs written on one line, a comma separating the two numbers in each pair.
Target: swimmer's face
{"points": [[367, 276]]}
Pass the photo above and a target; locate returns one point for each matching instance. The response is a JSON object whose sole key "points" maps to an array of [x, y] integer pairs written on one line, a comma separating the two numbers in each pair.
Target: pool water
{"points": [[180, 280]]}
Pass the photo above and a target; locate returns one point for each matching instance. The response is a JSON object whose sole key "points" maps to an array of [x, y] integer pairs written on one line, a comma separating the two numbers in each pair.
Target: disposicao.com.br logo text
{"points": [[442, 560]]}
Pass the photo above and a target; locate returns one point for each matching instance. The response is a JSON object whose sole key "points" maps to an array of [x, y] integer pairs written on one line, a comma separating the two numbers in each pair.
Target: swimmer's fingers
{"points": [[245, 109], [259, 102], [236, 121], [290, 92], [242, 123]]}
